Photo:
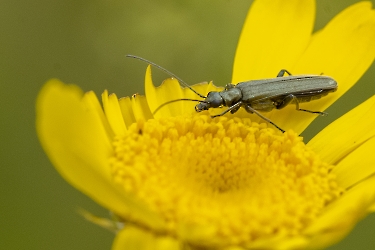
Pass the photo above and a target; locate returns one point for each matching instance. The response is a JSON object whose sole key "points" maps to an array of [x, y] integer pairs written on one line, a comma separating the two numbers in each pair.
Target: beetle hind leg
{"points": [[292, 98], [282, 73]]}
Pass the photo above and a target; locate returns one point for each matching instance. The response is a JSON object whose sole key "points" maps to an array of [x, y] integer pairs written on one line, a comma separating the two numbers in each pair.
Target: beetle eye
{"points": [[202, 106]]}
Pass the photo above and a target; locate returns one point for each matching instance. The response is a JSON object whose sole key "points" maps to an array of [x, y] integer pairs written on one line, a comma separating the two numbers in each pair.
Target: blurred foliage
{"points": [[85, 42]]}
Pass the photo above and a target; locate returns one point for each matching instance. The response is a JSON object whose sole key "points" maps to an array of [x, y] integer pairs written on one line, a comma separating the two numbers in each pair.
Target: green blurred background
{"points": [[85, 42]]}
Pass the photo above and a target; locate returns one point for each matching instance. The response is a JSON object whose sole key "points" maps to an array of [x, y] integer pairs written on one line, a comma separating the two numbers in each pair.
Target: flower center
{"points": [[230, 181]]}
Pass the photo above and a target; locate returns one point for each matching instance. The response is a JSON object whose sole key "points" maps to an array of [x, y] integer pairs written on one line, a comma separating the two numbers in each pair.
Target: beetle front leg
{"points": [[229, 86], [292, 98], [232, 109]]}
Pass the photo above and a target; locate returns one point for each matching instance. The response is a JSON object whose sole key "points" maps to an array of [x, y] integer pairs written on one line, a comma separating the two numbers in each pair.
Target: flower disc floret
{"points": [[234, 181]]}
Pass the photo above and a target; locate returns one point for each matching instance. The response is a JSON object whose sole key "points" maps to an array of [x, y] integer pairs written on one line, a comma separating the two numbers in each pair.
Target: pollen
{"points": [[223, 181]]}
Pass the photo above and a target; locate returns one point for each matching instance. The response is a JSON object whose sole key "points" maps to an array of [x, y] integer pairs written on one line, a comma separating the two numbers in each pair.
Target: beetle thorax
{"points": [[231, 96]]}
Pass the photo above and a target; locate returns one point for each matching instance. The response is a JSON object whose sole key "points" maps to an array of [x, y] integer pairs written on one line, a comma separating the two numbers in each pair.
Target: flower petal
{"points": [[133, 238], [76, 138], [140, 107], [371, 209], [203, 88], [344, 50], [156, 96], [127, 111], [296, 242], [341, 216], [357, 126], [357, 166], [113, 113], [92, 102], [274, 36]]}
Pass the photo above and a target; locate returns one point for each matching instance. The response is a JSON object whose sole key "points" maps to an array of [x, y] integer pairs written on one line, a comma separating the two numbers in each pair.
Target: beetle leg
{"points": [[232, 109], [229, 86], [282, 73], [249, 109], [287, 100], [292, 98]]}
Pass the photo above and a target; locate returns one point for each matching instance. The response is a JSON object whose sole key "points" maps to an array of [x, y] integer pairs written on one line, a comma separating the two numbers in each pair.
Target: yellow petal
{"points": [[113, 113], [296, 242], [109, 224], [92, 101], [344, 50], [341, 216], [150, 90], [75, 136], [203, 88], [140, 107], [133, 238], [371, 209], [127, 111], [156, 96], [346, 133], [357, 166], [274, 35]]}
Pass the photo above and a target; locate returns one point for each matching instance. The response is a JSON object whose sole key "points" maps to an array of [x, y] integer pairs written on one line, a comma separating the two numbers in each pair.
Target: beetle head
{"points": [[213, 100]]}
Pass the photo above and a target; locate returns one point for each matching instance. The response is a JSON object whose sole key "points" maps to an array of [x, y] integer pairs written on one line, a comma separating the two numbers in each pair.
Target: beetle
{"points": [[263, 95]]}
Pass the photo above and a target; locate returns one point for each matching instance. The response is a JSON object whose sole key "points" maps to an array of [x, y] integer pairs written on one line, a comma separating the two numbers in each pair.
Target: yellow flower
{"points": [[181, 180]]}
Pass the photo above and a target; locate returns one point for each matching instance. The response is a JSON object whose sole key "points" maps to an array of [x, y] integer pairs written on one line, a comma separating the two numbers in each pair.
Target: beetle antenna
{"points": [[167, 72], [177, 100]]}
